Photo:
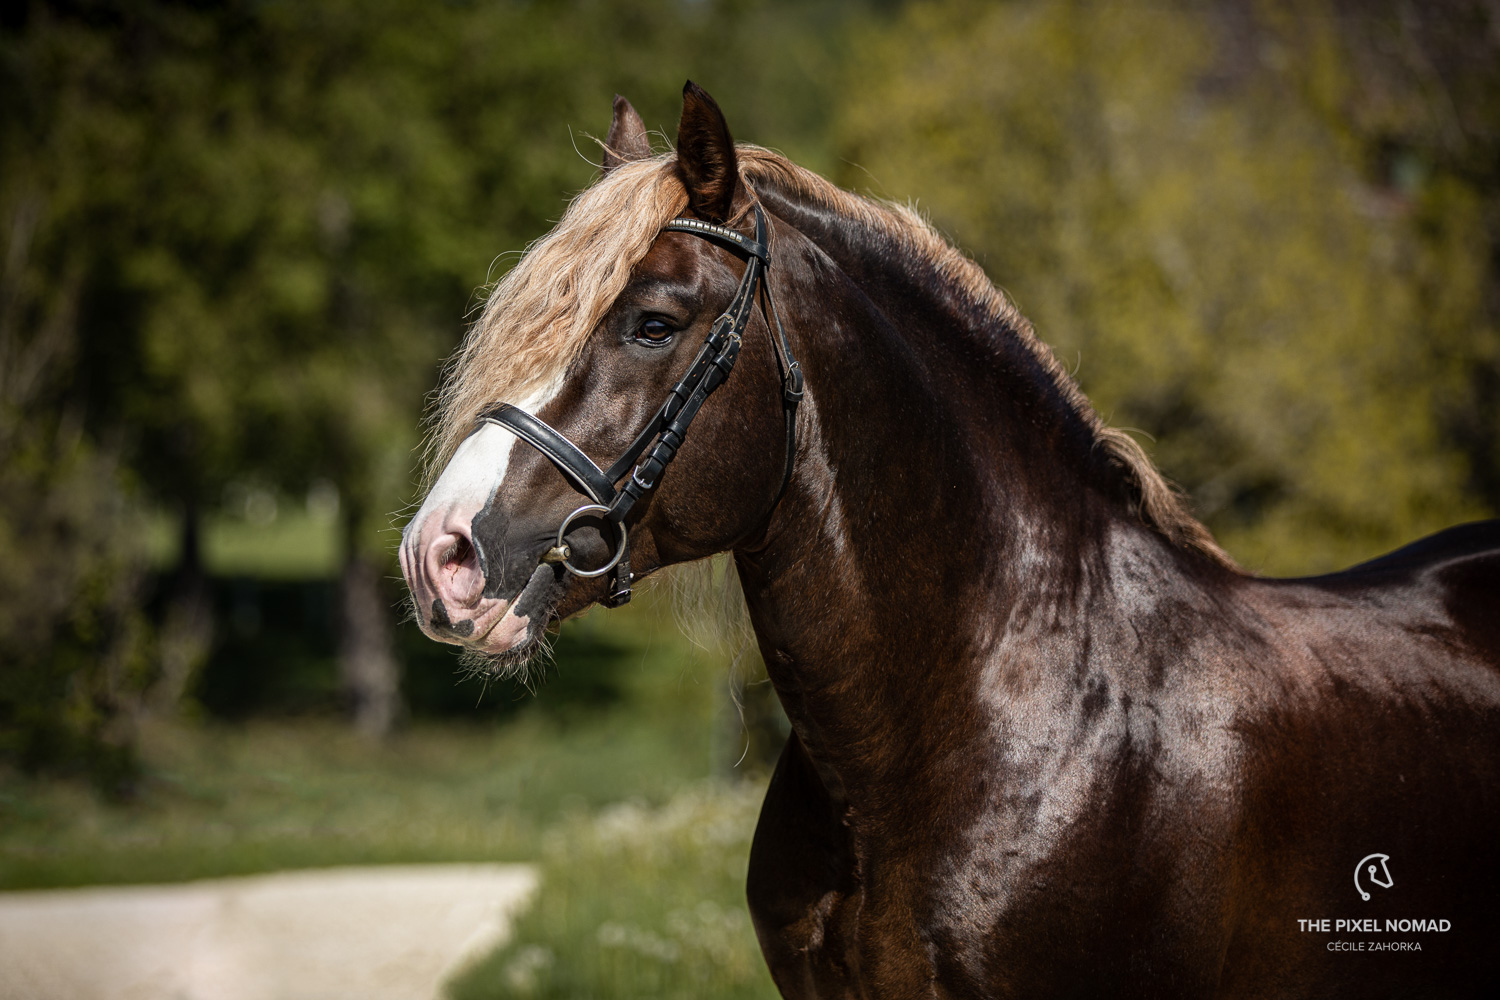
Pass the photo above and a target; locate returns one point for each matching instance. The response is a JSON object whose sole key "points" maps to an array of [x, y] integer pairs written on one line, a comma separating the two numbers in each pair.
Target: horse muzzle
{"points": [[464, 594]]}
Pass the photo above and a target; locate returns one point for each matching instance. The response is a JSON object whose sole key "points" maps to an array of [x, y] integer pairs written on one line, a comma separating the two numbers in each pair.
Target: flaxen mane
{"points": [[541, 313]]}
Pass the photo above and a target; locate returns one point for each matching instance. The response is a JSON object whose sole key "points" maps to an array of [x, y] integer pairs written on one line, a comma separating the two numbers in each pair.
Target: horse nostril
{"points": [[454, 569], [459, 553]]}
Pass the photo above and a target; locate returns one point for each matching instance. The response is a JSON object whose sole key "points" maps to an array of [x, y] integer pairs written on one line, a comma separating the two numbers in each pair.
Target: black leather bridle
{"points": [[712, 365]]}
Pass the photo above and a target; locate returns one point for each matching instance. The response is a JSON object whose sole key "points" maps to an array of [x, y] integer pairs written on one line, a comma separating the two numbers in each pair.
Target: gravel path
{"points": [[380, 933]]}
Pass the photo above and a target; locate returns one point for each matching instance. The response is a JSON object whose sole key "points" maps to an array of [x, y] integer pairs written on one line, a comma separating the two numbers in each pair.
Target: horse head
{"points": [[654, 271]]}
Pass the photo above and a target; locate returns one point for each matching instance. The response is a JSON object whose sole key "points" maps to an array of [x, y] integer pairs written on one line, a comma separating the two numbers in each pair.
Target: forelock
{"points": [[540, 314]]}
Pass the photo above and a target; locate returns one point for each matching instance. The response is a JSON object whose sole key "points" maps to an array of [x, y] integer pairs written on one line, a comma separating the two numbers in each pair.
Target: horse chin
{"points": [[509, 654], [517, 633]]}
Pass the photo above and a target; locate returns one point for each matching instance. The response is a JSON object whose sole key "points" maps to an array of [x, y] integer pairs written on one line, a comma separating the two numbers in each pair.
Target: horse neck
{"points": [[945, 484]]}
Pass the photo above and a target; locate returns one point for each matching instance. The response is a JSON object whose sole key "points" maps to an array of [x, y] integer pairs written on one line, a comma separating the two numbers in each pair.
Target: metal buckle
{"points": [[591, 508], [621, 596]]}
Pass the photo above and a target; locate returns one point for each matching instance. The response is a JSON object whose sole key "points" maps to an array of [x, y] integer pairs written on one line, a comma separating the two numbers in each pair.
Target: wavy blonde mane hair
{"points": [[539, 316]]}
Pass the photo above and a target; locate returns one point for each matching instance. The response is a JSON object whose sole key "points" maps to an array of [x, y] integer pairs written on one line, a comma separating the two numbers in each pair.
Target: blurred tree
{"points": [[271, 216], [71, 637], [1415, 90], [1181, 223]]}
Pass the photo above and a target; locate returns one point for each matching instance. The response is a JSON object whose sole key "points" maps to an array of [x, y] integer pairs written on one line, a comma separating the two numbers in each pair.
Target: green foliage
{"points": [[1185, 229], [71, 636], [638, 902], [71, 639], [298, 201], [221, 800], [1419, 97], [292, 204], [247, 235]]}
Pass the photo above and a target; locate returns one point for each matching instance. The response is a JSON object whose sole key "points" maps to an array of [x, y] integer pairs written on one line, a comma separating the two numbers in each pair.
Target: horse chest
{"points": [[886, 936], [1015, 891]]}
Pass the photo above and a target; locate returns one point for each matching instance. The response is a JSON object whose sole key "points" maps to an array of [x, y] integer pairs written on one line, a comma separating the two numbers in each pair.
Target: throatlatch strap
{"points": [[791, 393]]}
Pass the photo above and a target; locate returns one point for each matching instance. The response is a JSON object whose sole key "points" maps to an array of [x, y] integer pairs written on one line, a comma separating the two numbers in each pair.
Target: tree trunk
{"points": [[368, 668], [187, 632]]}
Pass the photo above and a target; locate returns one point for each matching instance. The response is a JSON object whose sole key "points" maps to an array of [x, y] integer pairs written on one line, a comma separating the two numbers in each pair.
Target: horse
{"points": [[1047, 740]]}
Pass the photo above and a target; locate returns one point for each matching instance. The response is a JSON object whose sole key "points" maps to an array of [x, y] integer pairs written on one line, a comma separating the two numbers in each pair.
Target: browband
{"points": [[725, 237]]}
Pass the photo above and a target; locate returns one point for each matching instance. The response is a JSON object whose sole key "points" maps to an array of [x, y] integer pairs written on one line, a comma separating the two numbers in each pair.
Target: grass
{"points": [[631, 808], [638, 902], [269, 796]]}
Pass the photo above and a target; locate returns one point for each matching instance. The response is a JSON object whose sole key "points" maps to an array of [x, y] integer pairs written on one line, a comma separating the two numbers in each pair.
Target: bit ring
{"points": [[591, 508]]}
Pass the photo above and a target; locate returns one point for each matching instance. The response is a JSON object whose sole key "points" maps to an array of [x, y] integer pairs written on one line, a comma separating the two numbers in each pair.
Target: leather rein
{"points": [[664, 432]]}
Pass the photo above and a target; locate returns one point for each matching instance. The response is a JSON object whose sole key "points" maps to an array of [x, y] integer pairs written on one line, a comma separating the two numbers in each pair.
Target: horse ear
{"points": [[705, 155], [627, 137]]}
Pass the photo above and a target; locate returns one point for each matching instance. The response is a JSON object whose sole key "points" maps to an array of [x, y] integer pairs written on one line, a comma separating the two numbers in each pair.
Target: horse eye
{"points": [[654, 332]]}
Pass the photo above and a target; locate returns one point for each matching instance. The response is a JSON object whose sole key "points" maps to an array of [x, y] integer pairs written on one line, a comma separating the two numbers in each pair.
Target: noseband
{"points": [[665, 432]]}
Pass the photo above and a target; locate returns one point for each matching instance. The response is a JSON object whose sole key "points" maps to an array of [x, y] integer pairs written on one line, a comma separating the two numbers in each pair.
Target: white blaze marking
{"points": [[477, 469]]}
